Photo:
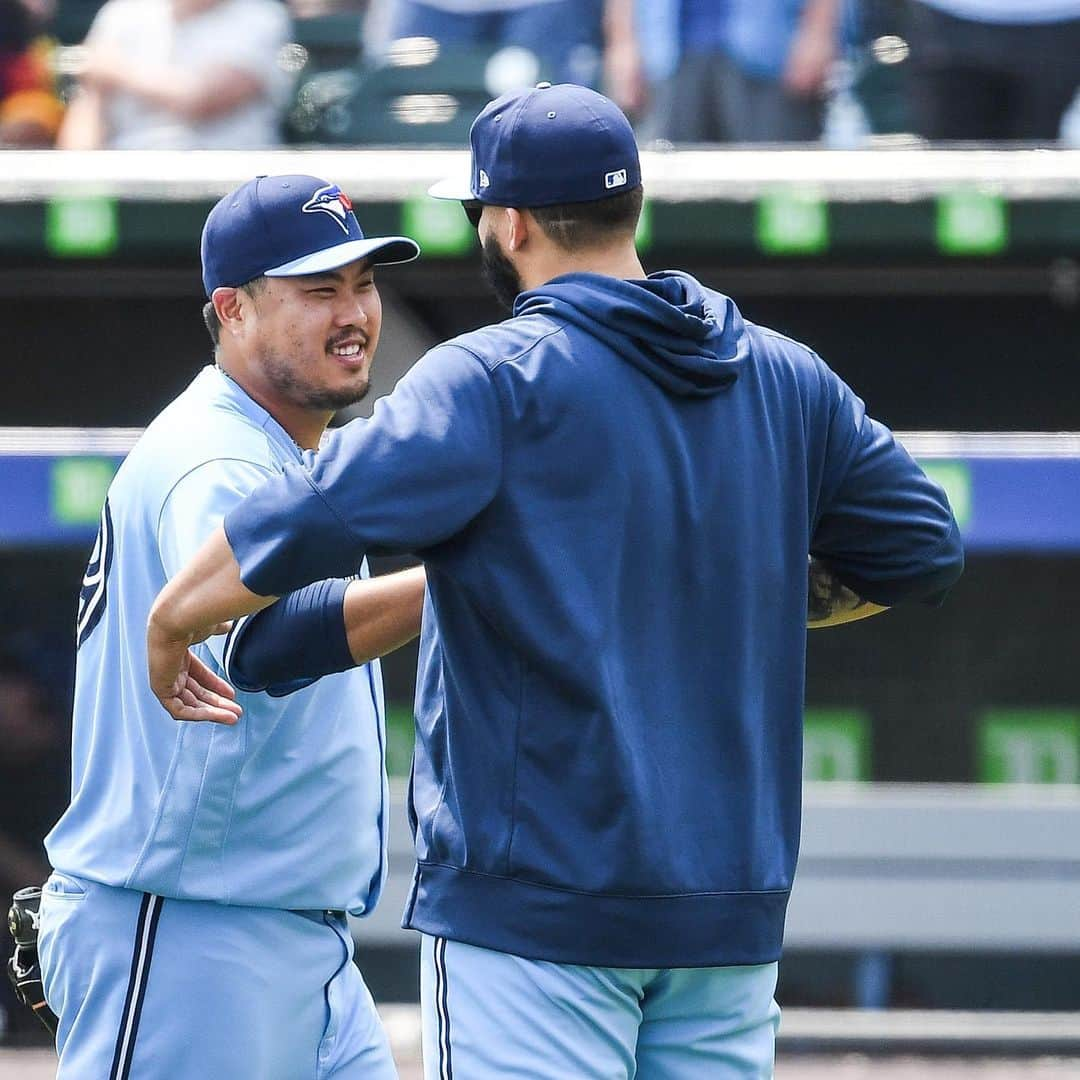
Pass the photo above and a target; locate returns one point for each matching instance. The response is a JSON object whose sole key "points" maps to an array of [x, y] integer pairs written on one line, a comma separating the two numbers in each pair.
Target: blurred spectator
{"points": [[640, 50], [993, 69], [564, 35], [30, 110], [726, 70], [181, 74]]}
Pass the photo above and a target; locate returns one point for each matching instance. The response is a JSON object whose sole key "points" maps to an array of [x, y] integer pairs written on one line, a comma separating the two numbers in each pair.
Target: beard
{"points": [[499, 273], [291, 384]]}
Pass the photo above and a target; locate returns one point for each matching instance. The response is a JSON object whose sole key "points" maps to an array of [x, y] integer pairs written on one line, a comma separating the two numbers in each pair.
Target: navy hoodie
{"points": [[614, 493]]}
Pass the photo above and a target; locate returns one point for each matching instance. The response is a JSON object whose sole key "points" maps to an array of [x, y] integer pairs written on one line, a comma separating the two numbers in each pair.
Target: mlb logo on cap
{"points": [[548, 146], [287, 226]]}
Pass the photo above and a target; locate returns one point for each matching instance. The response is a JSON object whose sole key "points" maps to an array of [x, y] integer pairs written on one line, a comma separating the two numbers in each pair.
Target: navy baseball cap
{"points": [[547, 146], [285, 226]]}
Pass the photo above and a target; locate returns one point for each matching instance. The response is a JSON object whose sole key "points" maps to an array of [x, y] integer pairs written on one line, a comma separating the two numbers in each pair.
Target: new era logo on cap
{"points": [[547, 146]]}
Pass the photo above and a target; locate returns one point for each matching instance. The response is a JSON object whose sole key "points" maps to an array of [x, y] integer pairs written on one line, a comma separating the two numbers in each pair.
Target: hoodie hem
{"points": [[544, 922]]}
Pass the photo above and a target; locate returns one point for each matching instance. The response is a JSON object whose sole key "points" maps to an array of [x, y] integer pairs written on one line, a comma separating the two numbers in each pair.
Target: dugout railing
{"points": [[943, 284], [956, 202]]}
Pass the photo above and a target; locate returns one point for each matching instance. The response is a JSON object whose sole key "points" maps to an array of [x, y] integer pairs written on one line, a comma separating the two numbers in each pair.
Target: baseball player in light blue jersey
{"points": [[195, 925]]}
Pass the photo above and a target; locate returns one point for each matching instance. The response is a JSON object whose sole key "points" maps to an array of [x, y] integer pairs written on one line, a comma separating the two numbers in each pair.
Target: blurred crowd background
{"points": [[121, 74]]}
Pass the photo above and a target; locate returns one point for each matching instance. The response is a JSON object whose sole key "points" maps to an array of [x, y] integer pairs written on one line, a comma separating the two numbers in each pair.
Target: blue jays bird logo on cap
{"points": [[333, 201]]}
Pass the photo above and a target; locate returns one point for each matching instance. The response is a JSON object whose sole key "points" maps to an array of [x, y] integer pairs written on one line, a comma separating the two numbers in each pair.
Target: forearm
{"points": [[830, 602], [383, 613], [191, 96], [176, 92], [619, 23], [821, 16], [205, 592], [323, 629], [83, 127], [813, 48], [196, 604], [623, 66]]}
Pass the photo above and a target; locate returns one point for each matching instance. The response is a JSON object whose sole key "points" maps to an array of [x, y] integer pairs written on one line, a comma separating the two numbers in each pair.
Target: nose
{"points": [[351, 312]]}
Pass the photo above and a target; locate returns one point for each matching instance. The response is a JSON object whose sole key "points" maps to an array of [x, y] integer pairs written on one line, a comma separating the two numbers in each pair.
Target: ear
{"points": [[517, 229], [229, 307]]}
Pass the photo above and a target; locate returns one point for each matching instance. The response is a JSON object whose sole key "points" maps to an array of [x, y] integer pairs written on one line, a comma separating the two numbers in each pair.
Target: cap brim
{"points": [[379, 249], [455, 188]]}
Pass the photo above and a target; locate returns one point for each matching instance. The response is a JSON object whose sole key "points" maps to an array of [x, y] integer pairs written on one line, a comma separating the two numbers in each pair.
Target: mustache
{"points": [[348, 334]]}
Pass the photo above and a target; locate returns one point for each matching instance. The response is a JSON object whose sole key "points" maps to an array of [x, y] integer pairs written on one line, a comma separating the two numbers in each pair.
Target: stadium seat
{"points": [[882, 68], [331, 41], [430, 98]]}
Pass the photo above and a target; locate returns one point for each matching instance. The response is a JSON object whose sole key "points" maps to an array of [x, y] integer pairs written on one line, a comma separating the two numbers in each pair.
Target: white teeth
{"points": [[346, 350]]}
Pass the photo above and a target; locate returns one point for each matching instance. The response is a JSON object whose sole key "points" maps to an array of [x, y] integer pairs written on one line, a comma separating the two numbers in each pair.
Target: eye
{"points": [[324, 292]]}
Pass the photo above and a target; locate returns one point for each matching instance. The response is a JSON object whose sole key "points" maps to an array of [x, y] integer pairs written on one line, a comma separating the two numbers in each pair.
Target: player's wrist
{"points": [[166, 621]]}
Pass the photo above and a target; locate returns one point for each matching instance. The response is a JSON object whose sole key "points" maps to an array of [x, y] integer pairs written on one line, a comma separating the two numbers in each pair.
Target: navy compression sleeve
{"points": [[290, 644]]}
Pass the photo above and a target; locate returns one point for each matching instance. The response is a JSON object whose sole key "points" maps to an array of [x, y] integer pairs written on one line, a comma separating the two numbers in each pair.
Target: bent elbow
{"points": [[939, 570], [944, 568], [953, 553]]}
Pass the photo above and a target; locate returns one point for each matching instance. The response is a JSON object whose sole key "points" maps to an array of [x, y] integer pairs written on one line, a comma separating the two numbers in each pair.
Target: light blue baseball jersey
{"points": [[286, 809]]}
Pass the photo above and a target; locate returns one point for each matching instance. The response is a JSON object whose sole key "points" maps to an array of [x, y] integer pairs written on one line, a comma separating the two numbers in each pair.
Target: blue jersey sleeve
{"points": [[427, 462], [882, 525]]}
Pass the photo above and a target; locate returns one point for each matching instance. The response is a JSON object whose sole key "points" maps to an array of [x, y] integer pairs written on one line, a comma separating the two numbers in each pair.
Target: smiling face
{"points": [[303, 344]]}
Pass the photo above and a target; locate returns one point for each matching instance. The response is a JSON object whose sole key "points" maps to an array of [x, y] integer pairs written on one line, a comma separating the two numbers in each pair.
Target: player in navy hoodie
{"points": [[614, 493]]}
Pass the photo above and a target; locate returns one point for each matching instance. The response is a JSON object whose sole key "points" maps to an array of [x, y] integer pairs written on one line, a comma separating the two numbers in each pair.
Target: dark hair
{"points": [[574, 226], [209, 315]]}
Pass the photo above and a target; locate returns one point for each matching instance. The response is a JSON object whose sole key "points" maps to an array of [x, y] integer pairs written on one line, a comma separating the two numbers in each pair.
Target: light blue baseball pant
{"points": [[151, 988], [489, 1015]]}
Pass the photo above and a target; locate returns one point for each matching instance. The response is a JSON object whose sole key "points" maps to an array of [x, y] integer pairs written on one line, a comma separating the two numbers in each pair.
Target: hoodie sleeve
{"points": [[427, 462], [882, 525]]}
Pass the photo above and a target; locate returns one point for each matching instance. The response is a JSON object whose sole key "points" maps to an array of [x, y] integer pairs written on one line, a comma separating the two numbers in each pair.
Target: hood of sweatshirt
{"points": [[689, 340]]}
